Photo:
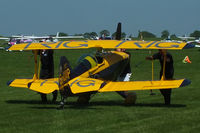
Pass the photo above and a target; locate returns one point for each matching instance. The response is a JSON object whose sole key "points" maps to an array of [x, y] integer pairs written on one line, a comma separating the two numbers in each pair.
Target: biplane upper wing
{"points": [[80, 85], [106, 44], [40, 85]]}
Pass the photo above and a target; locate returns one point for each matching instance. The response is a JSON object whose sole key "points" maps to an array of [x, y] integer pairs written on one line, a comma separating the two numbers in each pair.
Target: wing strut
{"points": [[164, 64], [35, 52]]}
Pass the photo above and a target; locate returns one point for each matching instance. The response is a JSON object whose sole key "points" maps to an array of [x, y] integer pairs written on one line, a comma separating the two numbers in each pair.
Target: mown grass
{"points": [[21, 110]]}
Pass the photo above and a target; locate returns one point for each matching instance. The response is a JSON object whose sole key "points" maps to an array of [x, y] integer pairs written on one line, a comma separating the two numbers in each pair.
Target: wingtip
{"points": [[9, 82], [189, 45], [185, 83]]}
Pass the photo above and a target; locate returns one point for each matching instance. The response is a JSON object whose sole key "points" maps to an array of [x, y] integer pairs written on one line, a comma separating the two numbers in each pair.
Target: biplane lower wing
{"points": [[22, 83], [81, 85], [144, 85], [40, 85]]}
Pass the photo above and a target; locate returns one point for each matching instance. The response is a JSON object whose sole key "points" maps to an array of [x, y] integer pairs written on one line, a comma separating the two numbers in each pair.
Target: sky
{"points": [[46, 17]]}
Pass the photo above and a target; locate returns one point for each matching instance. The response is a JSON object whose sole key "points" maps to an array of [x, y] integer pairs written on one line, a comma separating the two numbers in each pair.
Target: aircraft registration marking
{"points": [[83, 83], [104, 44], [56, 82], [155, 43]]}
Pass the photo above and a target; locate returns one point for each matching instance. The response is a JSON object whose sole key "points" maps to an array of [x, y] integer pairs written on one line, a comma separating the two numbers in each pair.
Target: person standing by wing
{"points": [[168, 71], [130, 98], [47, 71]]}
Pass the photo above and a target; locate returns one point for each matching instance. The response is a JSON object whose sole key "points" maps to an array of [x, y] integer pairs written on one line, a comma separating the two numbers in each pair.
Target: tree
{"points": [[164, 34], [90, 35], [63, 34], [123, 35], [93, 34], [86, 35], [78, 34], [105, 33], [145, 34], [130, 36], [173, 36], [195, 34]]}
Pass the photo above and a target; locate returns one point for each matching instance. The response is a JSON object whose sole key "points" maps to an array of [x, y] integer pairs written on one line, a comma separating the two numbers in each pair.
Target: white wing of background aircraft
{"points": [[32, 38], [185, 38], [46, 37]]}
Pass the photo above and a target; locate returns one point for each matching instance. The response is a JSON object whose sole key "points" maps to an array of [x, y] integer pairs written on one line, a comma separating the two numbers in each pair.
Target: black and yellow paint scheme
{"points": [[105, 44], [101, 77]]}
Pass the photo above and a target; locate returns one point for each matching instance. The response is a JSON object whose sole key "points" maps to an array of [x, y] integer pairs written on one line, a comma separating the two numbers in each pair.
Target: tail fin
{"points": [[64, 72], [57, 35], [118, 32]]}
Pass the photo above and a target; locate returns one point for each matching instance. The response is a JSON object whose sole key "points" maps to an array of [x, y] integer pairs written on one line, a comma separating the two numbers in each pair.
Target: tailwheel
{"points": [[64, 77]]}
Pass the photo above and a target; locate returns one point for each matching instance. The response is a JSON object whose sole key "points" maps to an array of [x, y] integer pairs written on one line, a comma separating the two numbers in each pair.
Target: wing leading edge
{"points": [[81, 85], [106, 44]]}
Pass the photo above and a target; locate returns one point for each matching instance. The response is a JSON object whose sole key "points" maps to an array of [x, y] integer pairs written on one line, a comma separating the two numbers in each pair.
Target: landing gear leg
{"points": [[63, 97], [62, 103]]}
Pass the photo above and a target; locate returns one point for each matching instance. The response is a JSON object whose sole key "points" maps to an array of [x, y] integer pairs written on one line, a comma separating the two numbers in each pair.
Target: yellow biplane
{"points": [[102, 71]]}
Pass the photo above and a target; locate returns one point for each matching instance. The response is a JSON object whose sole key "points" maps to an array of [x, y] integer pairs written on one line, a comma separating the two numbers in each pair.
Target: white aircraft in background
{"points": [[185, 38], [55, 38], [4, 38], [16, 39], [197, 40]]}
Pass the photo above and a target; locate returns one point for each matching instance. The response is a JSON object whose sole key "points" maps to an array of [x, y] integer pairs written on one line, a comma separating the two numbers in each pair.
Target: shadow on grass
{"points": [[120, 103], [91, 105], [160, 105], [29, 102]]}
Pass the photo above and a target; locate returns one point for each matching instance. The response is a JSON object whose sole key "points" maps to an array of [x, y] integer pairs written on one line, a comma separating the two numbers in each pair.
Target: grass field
{"points": [[21, 110]]}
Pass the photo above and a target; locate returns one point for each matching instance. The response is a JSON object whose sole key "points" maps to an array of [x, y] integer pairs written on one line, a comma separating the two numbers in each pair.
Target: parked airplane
{"points": [[185, 38], [54, 38], [16, 39]]}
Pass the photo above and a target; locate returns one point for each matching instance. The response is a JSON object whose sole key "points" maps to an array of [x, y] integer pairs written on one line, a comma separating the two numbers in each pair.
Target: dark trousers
{"points": [[167, 92], [44, 96], [167, 95], [45, 74]]}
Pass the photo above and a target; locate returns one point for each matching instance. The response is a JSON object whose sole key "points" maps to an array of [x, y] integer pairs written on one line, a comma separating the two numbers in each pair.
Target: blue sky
{"points": [[43, 17]]}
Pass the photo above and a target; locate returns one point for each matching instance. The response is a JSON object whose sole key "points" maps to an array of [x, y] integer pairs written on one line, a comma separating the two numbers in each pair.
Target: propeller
{"points": [[64, 77]]}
